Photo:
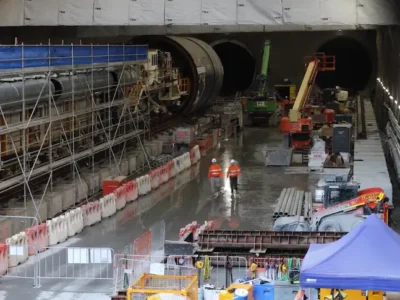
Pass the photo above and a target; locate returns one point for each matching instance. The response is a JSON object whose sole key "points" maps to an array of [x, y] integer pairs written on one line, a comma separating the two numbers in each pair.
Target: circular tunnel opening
{"points": [[239, 67], [353, 64]]}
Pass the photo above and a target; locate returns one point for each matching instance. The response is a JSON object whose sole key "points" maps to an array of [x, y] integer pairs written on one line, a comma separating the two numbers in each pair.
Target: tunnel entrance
{"points": [[239, 67], [353, 64]]}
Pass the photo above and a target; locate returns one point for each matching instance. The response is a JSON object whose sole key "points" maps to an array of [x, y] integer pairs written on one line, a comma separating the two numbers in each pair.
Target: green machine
{"points": [[263, 102]]}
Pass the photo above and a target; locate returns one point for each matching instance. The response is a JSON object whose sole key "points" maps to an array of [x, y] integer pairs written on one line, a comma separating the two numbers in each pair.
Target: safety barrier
{"points": [[171, 169], [74, 221], [186, 160], [17, 249], [3, 259], [108, 206], [144, 185], [91, 213], [120, 199], [37, 238], [164, 174], [131, 191], [58, 230], [155, 178]]}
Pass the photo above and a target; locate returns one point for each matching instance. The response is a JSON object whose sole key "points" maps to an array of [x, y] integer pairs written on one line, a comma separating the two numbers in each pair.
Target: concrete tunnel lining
{"points": [[236, 59], [354, 66]]}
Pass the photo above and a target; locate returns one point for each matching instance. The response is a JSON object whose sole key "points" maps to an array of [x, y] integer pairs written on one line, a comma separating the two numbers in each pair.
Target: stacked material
{"points": [[291, 203]]}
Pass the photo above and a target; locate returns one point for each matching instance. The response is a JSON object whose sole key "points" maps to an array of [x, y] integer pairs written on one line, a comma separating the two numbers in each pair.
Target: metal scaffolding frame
{"points": [[57, 137]]}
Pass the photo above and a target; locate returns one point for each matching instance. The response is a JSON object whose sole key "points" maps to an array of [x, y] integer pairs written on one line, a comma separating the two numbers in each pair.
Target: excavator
{"points": [[264, 102], [298, 125], [338, 207]]}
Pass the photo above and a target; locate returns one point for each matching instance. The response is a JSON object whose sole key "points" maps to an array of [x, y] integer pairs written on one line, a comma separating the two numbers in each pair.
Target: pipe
{"points": [[286, 211], [300, 204], [279, 204], [284, 202], [293, 205]]}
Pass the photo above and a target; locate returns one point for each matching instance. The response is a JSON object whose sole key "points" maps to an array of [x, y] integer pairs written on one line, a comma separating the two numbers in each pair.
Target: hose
{"points": [[285, 270], [207, 268]]}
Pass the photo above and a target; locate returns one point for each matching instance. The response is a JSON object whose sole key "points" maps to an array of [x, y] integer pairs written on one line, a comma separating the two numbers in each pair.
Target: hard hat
{"points": [[232, 161], [213, 160]]}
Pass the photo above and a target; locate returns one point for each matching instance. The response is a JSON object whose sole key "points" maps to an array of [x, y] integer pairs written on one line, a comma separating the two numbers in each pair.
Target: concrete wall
{"points": [[289, 48]]}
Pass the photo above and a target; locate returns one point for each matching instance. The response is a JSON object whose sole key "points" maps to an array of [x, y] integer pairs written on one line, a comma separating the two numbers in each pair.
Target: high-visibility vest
{"points": [[233, 171], [215, 171]]}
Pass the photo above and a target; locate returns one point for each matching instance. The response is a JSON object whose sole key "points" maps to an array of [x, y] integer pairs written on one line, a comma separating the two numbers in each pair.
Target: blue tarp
{"points": [[17, 57], [367, 258]]}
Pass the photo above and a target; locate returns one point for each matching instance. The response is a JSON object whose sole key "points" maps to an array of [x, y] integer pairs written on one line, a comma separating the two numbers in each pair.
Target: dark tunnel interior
{"points": [[353, 64], [236, 60]]}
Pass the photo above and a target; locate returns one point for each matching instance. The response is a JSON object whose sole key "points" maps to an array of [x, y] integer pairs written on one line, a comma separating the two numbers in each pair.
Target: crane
{"points": [[298, 125]]}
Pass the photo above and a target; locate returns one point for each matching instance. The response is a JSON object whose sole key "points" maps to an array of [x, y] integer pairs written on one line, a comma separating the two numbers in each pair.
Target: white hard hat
{"points": [[213, 160], [232, 161]]}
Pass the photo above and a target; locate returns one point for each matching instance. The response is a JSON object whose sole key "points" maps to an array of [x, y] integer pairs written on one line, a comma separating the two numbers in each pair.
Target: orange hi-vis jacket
{"points": [[215, 171], [233, 171]]}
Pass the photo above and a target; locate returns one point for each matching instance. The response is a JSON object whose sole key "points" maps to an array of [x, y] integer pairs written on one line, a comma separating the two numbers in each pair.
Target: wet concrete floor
{"points": [[176, 205]]}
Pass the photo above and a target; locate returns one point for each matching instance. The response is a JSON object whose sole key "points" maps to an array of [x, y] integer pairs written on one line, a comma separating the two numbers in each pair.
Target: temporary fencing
{"points": [[77, 261]]}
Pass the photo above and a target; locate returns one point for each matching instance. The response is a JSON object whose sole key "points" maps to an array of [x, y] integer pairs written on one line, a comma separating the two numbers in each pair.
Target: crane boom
{"points": [[304, 91]]}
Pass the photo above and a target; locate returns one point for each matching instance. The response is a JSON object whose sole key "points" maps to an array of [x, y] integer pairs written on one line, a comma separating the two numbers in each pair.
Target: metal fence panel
{"points": [[158, 238], [77, 263], [28, 269]]}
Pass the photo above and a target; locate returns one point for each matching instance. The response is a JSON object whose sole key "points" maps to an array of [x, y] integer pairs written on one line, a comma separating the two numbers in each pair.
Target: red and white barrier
{"points": [[171, 169], [74, 221], [131, 191], [91, 213], [108, 206], [178, 165], [164, 174], [17, 249], [195, 155], [120, 199], [155, 178], [144, 185], [37, 238], [3, 259]]}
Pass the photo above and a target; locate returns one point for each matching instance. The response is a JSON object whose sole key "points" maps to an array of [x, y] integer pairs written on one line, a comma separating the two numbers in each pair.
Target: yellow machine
{"points": [[151, 286], [286, 91], [326, 294]]}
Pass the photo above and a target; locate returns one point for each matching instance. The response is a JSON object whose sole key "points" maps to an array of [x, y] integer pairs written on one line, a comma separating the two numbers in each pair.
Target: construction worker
{"points": [[215, 175], [233, 173]]}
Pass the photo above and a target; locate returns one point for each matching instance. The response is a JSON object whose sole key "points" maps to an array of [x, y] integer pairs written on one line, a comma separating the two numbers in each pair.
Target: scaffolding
{"points": [[70, 116]]}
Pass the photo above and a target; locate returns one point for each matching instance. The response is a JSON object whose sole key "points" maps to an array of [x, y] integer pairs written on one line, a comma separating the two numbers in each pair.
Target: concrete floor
{"points": [[252, 208]]}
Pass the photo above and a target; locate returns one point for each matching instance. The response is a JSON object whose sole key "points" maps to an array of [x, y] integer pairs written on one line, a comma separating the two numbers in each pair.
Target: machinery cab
{"points": [[336, 194]]}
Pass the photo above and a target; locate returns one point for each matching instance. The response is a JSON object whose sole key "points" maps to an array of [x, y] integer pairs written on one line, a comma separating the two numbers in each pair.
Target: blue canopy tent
{"points": [[364, 259]]}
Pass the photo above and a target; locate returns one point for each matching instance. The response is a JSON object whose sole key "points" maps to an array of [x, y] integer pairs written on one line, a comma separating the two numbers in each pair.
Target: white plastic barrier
{"points": [[186, 160], [131, 191], [144, 185], [164, 170], [120, 200], [91, 213], [108, 206], [197, 153], [74, 221], [178, 165], [17, 249], [155, 178], [171, 169], [3, 259], [58, 230]]}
